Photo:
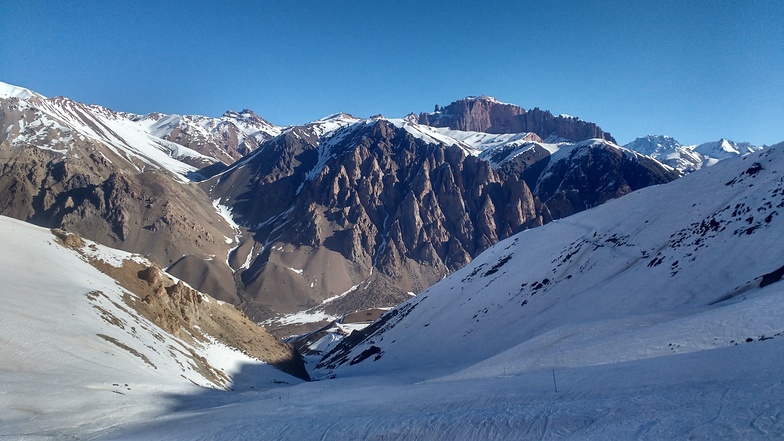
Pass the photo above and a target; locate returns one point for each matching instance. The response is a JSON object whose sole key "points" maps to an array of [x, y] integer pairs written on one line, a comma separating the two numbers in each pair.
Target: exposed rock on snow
{"points": [[642, 276]]}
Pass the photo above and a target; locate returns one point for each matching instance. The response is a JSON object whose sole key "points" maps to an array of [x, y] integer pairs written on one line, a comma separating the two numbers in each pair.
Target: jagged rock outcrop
{"points": [[359, 216], [486, 114], [384, 210]]}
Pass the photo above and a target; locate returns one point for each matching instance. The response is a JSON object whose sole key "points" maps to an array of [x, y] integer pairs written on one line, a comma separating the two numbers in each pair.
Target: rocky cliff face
{"points": [[366, 215], [486, 114], [361, 215]]}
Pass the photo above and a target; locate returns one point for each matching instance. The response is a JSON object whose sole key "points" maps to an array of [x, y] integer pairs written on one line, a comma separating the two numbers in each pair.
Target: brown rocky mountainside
{"points": [[486, 114], [384, 215], [227, 138], [67, 165], [334, 216], [367, 213]]}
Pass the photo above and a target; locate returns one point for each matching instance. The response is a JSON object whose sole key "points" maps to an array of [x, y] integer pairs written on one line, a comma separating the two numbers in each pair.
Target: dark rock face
{"points": [[368, 213], [385, 209], [592, 174], [147, 213], [484, 114]]}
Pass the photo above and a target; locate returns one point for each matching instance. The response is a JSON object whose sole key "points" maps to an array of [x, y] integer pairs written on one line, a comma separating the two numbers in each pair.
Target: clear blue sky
{"points": [[695, 70]]}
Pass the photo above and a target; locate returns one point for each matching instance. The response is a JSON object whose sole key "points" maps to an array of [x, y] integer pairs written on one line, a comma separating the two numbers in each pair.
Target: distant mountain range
{"points": [[692, 157], [300, 225], [226, 139]]}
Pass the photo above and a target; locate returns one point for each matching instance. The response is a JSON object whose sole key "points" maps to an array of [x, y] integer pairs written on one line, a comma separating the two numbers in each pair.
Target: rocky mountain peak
{"points": [[486, 114], [390, 206], [245, 115]]}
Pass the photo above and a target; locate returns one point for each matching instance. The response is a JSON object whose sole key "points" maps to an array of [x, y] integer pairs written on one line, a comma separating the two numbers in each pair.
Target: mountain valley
{"points": [[480, 271]]}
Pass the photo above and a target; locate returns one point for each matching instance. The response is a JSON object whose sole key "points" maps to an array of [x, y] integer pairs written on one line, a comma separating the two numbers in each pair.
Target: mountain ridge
{"points": [[642, 271], [486, 114], [691, 157]]}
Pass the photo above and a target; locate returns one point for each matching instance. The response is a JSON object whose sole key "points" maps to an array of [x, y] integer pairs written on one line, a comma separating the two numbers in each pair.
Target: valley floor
{"points": [[728, 393]]}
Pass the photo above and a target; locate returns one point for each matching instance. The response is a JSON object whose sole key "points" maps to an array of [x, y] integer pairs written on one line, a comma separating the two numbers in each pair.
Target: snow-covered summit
{"points": [[688, 158], [487, 98], [227, 138], [11, 91], [724, 148], [669, 151], [65, 126], [654, 145]]}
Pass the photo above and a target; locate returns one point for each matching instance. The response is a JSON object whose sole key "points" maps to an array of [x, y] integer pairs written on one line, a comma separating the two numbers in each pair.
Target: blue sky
{"points": [[695, 70]]}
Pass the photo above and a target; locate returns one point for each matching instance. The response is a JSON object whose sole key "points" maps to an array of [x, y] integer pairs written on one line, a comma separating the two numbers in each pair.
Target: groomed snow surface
{"points": [[733, 393]]}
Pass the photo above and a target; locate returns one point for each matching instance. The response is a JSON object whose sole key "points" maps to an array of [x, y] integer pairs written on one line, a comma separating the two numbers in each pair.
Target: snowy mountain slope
{"points": [[605, 347], [643, 276], [691, 157], [95, 172], [227, 138], [724, 148], [79, 354], [728, 393], [11, 91], [29, 119], [668, 151], [484, 141]]}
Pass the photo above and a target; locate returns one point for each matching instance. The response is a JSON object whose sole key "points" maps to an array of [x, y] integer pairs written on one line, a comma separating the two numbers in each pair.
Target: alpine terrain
{"points": [[315, 221], [688, 158], [481, 271], [656, 316], [345, 214]]}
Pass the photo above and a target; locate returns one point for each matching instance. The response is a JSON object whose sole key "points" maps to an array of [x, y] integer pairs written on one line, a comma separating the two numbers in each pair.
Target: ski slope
{"points": [[75, 359]]}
